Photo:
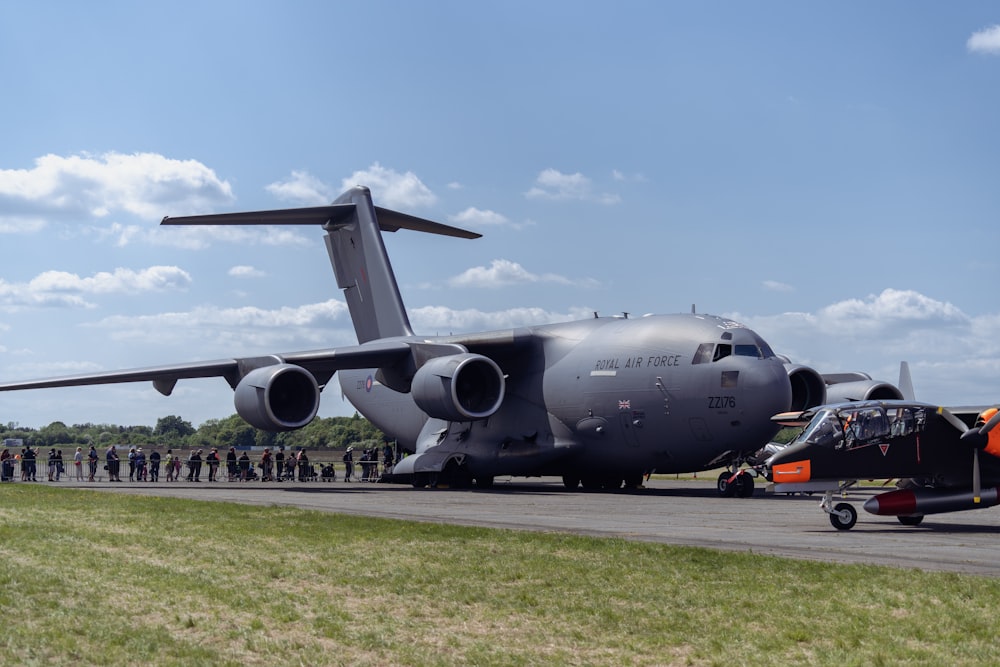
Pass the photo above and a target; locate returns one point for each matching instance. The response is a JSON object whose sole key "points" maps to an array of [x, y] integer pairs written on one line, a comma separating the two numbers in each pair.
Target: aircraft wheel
{"points": [[571, 482], [592, 483], [419, 480], [744, 485], [726, 490], [484, 482], [844, 516], [910, 520]]}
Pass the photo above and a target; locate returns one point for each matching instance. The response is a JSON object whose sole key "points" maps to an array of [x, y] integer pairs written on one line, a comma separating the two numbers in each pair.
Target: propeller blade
{"points": [[953, 420], [976, 491], [988, 426]]}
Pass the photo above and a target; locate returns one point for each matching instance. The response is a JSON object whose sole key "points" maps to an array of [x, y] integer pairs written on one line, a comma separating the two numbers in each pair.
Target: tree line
{"points": [[174, 432]]}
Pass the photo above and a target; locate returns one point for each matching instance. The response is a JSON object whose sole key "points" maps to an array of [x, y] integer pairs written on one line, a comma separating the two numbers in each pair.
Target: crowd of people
{"points": [[273, 466]]}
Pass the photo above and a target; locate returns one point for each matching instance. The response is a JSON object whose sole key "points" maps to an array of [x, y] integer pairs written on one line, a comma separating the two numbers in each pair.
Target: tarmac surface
{"points": [[680, 512]]}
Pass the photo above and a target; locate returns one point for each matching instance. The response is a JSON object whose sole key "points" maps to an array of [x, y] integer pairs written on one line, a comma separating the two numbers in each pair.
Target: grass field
{"points": [[95, 578]]}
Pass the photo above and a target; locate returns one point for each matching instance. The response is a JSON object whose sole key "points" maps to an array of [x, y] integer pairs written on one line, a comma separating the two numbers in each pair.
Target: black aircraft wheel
{"points": [[592, 483], [419, 480], [744, 485], [571, 482], [910, 520], [844, 516], [726, 490], [484, 482]]}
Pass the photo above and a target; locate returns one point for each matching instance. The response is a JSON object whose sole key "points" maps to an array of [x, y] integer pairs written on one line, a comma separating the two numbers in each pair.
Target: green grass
{"points": [[95, 578]]}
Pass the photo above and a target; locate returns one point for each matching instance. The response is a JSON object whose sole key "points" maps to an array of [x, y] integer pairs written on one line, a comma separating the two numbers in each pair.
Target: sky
{"points": [[825, 173]]}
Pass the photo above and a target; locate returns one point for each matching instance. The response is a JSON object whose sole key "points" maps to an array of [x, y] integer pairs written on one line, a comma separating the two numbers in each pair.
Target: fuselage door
{"points": [[631, 421], [699, 428]]}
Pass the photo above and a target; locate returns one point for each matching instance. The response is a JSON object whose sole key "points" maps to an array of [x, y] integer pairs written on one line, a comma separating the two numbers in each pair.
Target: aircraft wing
{"points": [[322, 363]]}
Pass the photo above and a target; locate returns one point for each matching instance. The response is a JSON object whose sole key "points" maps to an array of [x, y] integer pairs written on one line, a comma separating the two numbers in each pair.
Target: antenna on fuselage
{"points": [[694, 311]]}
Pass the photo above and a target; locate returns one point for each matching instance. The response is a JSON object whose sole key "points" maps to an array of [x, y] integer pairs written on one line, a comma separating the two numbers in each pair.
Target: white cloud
{"points": [[60, 288], [986, 40], [890, 309], [246, 272], [390, 188], [441, 320], [199, 237], [474, 217], [775, 286], [303, 189], [503, 273], [555, 185], [234, 330], [954, 358], [146, 185]]}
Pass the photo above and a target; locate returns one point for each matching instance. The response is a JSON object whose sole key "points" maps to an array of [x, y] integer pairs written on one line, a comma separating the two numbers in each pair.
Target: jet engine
{"points": [[281, 397], [459, 387], [808, 387], [861, 390]]}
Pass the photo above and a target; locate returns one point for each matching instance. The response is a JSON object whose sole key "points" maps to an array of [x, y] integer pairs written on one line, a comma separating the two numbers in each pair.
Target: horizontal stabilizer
{"points": [[329, 216]]}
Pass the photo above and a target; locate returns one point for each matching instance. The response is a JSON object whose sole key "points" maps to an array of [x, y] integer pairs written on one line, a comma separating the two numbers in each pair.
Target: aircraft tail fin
{"points": [[906, 382], [361, 266]]}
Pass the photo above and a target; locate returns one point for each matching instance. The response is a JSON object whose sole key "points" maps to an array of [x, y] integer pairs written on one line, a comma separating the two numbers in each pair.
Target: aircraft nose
{"points": [[767, 390]]}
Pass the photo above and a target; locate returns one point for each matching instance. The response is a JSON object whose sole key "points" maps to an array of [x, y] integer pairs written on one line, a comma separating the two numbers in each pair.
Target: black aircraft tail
{"points": [[353, 227]]}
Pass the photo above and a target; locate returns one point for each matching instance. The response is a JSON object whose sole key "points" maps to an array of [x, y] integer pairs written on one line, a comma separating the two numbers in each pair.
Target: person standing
{"points": [[244, 462], [349, 463], [112, 464], [154, 466], [140, 465], [265, 465], [78, 463], [231, 471], [170, 465], [279, 463], [92, 459], [213, 464]]}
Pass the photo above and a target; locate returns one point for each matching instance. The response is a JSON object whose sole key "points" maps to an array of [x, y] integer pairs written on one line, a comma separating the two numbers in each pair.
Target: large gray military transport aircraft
{"points": [[599, 402]]}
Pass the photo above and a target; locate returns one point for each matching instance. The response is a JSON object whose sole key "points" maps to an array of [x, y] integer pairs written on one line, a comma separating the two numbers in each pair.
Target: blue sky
{"points": [[828, 174]]}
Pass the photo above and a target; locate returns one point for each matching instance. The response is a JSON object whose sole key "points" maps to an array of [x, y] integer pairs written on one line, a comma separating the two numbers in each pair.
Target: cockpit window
{"points": [[852, 427], [765, 350], [748, 351], [824, 430], [863, 424], [722, 350], [704, 354]]}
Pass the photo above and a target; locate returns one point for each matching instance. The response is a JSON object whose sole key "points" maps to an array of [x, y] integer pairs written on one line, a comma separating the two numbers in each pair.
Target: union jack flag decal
{"points": [[625, 405]]}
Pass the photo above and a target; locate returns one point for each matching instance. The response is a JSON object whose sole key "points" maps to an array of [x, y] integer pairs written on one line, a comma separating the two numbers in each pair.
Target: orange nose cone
{"points": [[796, 471], [993, 439]]}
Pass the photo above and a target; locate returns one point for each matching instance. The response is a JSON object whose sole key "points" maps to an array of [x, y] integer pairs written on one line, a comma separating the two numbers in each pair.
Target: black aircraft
{"points": [[933, 451]]}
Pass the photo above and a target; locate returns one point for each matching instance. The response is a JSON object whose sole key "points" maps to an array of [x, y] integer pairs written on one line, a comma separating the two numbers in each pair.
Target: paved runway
{"points": [[672, 512]]}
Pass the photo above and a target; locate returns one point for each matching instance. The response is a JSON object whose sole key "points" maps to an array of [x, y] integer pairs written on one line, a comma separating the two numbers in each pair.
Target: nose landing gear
{"points": [[735, 484]]}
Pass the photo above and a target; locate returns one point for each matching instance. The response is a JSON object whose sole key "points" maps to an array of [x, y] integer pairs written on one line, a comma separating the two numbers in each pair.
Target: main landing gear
{"points": [[735, 484], [843, 516]]}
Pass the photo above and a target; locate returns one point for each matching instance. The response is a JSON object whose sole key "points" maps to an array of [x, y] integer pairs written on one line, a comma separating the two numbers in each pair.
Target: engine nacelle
{"points": [[808, 387], [862, 390], [282, 397], [459, 387]]}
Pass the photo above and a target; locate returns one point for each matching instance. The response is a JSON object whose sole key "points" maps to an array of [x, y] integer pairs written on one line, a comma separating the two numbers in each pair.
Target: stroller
{"points": [[327, 473]]}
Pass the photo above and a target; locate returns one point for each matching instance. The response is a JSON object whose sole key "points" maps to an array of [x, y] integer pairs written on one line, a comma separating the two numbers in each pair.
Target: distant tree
{"points": [[173, 426]]}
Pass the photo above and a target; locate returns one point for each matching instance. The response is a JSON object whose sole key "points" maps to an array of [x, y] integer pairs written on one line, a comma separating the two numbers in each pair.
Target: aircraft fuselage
{"points": [[671, 393]]}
